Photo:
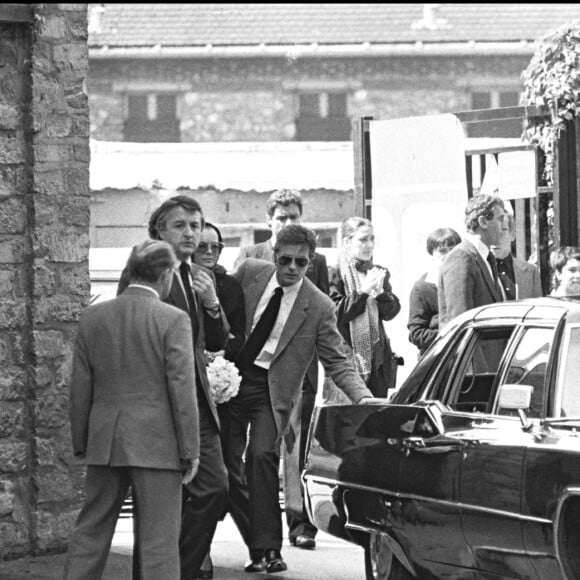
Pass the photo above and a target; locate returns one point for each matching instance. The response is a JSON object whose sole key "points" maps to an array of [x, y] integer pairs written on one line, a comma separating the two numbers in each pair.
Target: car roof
{"points": [[548, 308]]}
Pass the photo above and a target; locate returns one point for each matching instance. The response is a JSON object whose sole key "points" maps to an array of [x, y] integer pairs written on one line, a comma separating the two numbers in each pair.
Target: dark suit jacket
{"points": [[465, 282], [311, 326], [317, 271], [211, 333], [133, 398], [231, 298]]}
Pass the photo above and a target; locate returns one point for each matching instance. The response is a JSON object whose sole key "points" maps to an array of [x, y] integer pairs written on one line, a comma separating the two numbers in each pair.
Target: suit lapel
{"points": [[295, 319], [486, 274], [253, 293], [177, 298], [177, 295]]}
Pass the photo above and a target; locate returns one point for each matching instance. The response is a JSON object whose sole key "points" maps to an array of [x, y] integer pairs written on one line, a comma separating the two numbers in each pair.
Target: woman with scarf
{"points": [[364, 299]]}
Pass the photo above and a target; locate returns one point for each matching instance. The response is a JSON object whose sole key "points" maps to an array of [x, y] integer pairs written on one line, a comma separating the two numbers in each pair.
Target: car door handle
{"points": [[411, 443]]}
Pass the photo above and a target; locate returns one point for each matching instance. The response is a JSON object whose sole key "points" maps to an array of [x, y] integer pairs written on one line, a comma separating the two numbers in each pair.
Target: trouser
{"points": [[296, 515], [253, 407], [204, 499], [238, 502], [157, 504]]}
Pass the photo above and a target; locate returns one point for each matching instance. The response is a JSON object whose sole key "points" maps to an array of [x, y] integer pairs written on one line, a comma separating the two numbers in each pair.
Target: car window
{"points": [[475, 382], [528, 366], [568, 399], [428, 380]]}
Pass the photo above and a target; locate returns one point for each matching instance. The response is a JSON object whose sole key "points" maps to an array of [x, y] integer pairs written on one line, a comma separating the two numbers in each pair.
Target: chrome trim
{"points": [[412, 497]]}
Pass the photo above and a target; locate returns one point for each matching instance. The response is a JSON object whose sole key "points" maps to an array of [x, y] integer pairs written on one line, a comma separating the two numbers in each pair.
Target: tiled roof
{"points": [[190, 25]]}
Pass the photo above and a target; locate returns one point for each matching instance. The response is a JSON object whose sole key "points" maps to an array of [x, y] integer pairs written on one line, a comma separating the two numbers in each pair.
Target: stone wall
{"points": [[44, 280], [256, 99]]}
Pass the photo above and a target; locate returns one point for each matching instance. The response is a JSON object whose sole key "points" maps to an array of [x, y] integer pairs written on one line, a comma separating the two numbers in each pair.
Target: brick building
{"points": [[302, 72], [256, 74]]}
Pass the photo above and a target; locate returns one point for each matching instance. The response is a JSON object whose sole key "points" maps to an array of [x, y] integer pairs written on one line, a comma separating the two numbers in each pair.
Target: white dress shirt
{"points": [[288, 298]]}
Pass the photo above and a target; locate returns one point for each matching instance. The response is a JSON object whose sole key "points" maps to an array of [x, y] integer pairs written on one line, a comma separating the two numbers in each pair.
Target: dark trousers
{"points": [[238, 503], [296, 516], [252, 407], [204, 499]]}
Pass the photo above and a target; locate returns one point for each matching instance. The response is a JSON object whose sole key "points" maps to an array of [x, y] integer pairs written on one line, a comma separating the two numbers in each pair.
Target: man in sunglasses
{"points": [[273, 362], [285, 207]]}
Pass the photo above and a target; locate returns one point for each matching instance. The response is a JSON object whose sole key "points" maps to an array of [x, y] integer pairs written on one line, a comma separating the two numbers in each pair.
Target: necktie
{"points": [[506, 282], [261, 331], [184, 270], [493, 263]]}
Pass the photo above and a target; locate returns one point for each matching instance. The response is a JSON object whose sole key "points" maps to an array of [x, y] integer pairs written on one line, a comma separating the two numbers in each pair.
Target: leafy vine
{"points": [[552, 79]]}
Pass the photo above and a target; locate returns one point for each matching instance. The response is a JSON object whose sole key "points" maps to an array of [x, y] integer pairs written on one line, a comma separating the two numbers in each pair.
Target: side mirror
{"points": [[516, 398]]}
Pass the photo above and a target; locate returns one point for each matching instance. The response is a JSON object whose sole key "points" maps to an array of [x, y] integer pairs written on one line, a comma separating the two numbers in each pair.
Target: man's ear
{"points": [[482, 222]]}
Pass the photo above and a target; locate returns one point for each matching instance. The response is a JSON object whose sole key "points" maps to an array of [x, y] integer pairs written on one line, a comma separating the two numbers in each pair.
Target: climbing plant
{"points": [[552, 79]]}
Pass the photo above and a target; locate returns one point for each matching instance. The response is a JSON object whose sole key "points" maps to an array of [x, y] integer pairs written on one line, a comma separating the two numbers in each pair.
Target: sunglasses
{"points": [[287, 260], [215, 248]]}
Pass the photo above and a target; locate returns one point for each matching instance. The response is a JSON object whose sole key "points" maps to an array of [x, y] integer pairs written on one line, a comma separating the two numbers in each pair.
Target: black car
{"points": [[472, 469]]}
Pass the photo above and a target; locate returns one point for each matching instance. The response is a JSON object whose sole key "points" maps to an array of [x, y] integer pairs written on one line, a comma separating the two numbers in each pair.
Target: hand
{"points": [[373, 282], [190, 471], [373, 401], [203, 285]]}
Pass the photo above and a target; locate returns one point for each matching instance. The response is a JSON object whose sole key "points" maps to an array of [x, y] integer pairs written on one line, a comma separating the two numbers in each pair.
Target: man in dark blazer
{"points": [[134, 418], [519, 278], [466, 278], [285, 207], [179, 221], [272, 381]]}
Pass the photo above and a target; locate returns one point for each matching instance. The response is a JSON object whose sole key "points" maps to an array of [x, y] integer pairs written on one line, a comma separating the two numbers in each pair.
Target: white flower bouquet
{"points": [[224, 378]]}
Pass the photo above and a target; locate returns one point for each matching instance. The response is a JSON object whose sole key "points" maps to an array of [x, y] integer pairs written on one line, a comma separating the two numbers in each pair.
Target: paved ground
{"points": [[332, 558]]}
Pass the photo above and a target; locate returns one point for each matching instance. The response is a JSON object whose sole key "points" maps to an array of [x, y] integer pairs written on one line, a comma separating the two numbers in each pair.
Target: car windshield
{"points": [[567, 404]]}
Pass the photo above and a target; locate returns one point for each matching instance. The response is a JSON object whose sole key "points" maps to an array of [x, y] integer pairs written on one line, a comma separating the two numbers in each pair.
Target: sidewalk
{"points": [[51, 567]]}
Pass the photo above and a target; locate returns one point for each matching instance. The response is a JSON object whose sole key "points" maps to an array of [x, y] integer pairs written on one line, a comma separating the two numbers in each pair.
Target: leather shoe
{"points": [[275, 563], [257, 563], [304, 542]]}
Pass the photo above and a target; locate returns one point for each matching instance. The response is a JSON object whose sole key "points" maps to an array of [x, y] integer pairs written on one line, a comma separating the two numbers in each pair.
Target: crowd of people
{"points": [[141, 409]]}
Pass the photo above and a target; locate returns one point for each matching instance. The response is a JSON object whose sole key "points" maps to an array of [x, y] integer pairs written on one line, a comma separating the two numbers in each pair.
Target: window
{"points": [[322, 117], [476, 379], [152, 118], [568, 400], [493, 99], [528, 366]]}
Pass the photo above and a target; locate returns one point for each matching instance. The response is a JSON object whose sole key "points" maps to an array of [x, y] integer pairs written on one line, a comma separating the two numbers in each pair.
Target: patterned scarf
{"points": [[364, 329]]}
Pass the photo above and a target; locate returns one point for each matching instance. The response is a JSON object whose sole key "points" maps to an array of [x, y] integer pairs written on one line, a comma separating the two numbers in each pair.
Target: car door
{"points": [[494, 458], [430, 474], [427, 509], [353, 465]]}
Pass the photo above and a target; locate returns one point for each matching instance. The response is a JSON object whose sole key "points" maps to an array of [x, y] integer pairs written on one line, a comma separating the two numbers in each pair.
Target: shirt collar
{"points": [[145, 288], [482, 249]]}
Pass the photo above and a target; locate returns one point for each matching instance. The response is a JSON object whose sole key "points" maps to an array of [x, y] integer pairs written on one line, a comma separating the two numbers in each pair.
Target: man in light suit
{"points": [[466, 277], [271, 384], [519, 279], [285, 207], [134, 418], [179, 220]]}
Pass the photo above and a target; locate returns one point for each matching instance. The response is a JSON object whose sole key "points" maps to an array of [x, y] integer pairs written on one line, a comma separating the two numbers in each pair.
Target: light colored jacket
{"points": [[311, 326], [132, 390]]}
